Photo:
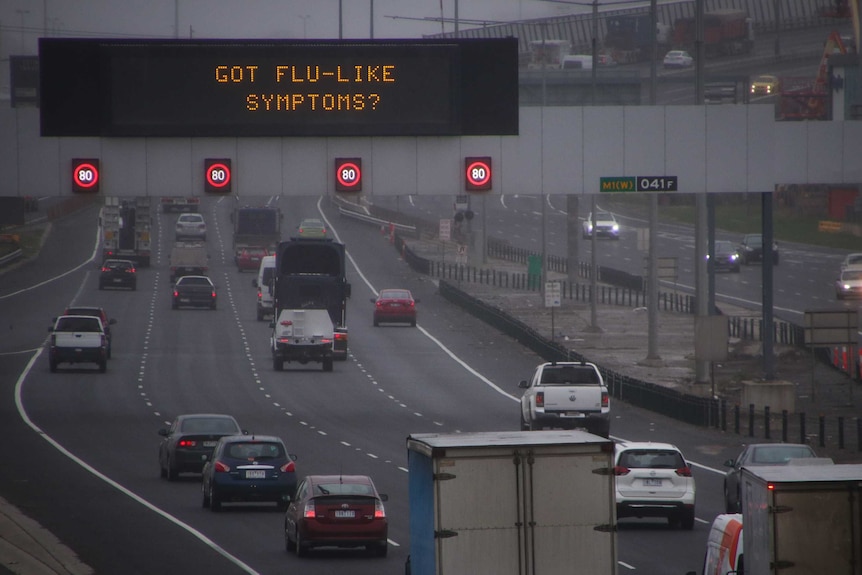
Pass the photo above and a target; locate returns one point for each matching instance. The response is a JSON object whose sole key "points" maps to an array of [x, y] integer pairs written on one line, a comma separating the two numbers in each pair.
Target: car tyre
{"points": [[378, 549], [301, 550], [327, 364], [103, 366], [376, 323], [728, 506], [215, 500], [289, 545], [277, 364], [687, 520], [205, 500], [172, 472], [412, 323], [101, 286], [532, 425], [52, 365], [259, 314], [524, 425]]}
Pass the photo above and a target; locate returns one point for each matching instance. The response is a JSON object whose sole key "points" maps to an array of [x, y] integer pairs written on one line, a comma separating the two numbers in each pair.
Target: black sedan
{"points": [[118, 273], [726, 257], [194, 291], [189, 442], [759, 454], [254, 468], [751, 249]]}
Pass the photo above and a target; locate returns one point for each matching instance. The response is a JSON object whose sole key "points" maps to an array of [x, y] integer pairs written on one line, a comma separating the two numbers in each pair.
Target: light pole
{"points": [[304, 25]]}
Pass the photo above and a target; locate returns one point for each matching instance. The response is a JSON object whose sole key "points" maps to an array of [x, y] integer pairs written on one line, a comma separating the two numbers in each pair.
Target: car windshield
{"points": [[779, 454], [209, 425], [255, 450], [651, 459], [723, 247], [754, 240]]}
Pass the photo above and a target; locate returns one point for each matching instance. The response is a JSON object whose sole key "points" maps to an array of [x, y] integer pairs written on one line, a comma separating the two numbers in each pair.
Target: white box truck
{"points": [[511, 503], [802, 519]]}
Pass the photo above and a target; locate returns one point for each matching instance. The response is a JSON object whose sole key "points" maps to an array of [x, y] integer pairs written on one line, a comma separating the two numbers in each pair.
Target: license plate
{"points": [[573, 414], [210, 443], [345, 513], [652, 482], [255, 474], [184, 299], [118, 280]]}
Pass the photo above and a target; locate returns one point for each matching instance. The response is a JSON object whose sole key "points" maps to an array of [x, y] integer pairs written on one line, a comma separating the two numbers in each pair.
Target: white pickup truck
{"points": [[567, 395], [78, 339]]}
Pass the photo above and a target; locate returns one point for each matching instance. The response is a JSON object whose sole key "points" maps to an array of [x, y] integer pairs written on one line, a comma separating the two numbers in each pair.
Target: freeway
{"points": [[85, 443]]}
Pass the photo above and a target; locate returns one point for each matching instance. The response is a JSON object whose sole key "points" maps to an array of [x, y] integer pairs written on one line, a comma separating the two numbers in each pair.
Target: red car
{"points": [[336, 511], [395, 306], [248, 259]]}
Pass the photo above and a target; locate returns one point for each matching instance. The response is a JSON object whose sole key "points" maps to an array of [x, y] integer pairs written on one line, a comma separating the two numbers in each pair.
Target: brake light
{"points": [[176, 293], [259, 295], [286, 323], [340, 336], [325, 340], [605, 399], [620, 470], [104, 268], [130, 270], [540, 399], [186, 443], [221, 467], [379, 511], [309, 510], [213, 294], [288, 467], [684, 471]]}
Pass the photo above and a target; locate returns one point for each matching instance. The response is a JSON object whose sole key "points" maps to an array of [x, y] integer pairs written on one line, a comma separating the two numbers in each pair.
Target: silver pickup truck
{"points": [[568, 395], [302, 335], [78, 339]]}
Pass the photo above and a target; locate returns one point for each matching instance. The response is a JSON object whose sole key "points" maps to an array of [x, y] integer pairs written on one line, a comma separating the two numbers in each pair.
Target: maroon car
{"points": [[336, 511], [395, 306], [248, 259]]}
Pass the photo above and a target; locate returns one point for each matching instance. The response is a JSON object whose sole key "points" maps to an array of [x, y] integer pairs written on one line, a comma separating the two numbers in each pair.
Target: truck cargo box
{"points": [[519, 503]]}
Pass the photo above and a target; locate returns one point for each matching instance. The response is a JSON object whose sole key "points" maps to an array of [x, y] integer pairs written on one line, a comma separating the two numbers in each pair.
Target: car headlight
{"points": [[616, 227]]}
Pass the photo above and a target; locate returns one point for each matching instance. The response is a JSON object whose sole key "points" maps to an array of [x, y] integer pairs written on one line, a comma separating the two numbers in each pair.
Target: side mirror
{"points": [[416, 300], [729, 463], [254, 283], [272, 324], [163, 432], [524, 384], [383, 497], [372, 300], [291, 456], [112, 321], [347, 290]]}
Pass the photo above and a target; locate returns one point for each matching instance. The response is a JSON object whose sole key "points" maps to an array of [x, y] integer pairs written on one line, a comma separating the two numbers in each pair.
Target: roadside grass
{"points": [[743, 218]]}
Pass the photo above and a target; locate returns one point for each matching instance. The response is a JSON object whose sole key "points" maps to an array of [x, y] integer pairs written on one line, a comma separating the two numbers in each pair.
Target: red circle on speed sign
{"points": [[478, 173], [85, 175], [218, 176], [348, 174]]}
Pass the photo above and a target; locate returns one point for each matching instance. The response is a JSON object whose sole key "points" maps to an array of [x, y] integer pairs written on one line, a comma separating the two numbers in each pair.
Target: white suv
{"points": [[654, 480]]}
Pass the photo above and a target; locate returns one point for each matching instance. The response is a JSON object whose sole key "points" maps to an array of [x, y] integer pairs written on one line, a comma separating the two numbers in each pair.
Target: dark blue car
{"points": [[249, 468]]}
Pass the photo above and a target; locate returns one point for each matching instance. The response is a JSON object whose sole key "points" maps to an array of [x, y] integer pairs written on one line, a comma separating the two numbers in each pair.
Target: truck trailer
{"points": [[126, 229], [802, 519], [256, 227], [511, 503], [311, 274]]}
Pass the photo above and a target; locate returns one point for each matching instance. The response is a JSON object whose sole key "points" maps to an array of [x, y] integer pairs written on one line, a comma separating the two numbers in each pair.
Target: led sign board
{"points": [[192, 88]]}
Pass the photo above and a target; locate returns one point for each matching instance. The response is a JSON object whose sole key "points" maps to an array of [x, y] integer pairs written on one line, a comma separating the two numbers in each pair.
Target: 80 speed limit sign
{"points": [[348, 174], [217, 175], [477, 175], [85, 176]]}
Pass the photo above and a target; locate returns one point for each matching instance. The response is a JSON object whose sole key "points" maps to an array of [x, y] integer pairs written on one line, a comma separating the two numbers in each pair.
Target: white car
{"points": [[849, 283], [854, 259], [677, 59], [191, 226], [654, 480], [606, 225]]}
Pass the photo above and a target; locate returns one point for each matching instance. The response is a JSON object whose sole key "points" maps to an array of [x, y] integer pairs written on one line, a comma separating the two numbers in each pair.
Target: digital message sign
{"points": [[477, 173], [278, 88]]}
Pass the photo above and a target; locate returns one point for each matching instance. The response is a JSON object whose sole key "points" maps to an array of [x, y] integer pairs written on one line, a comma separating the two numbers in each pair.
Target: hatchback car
{"points": [[118, 273], [311, 228], [606, 226], [751, 249], [394, 306], [759, 454], [191, 226], [248, 259], [256, 468], [336, 511], [189, 442], [849, 283], [654, 480], [99, 313], [764, 85], [726, 257], [677, 59]]}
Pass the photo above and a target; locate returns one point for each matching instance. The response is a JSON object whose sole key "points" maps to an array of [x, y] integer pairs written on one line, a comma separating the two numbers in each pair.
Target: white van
{"points": [[264, 283], [578, 62]]}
